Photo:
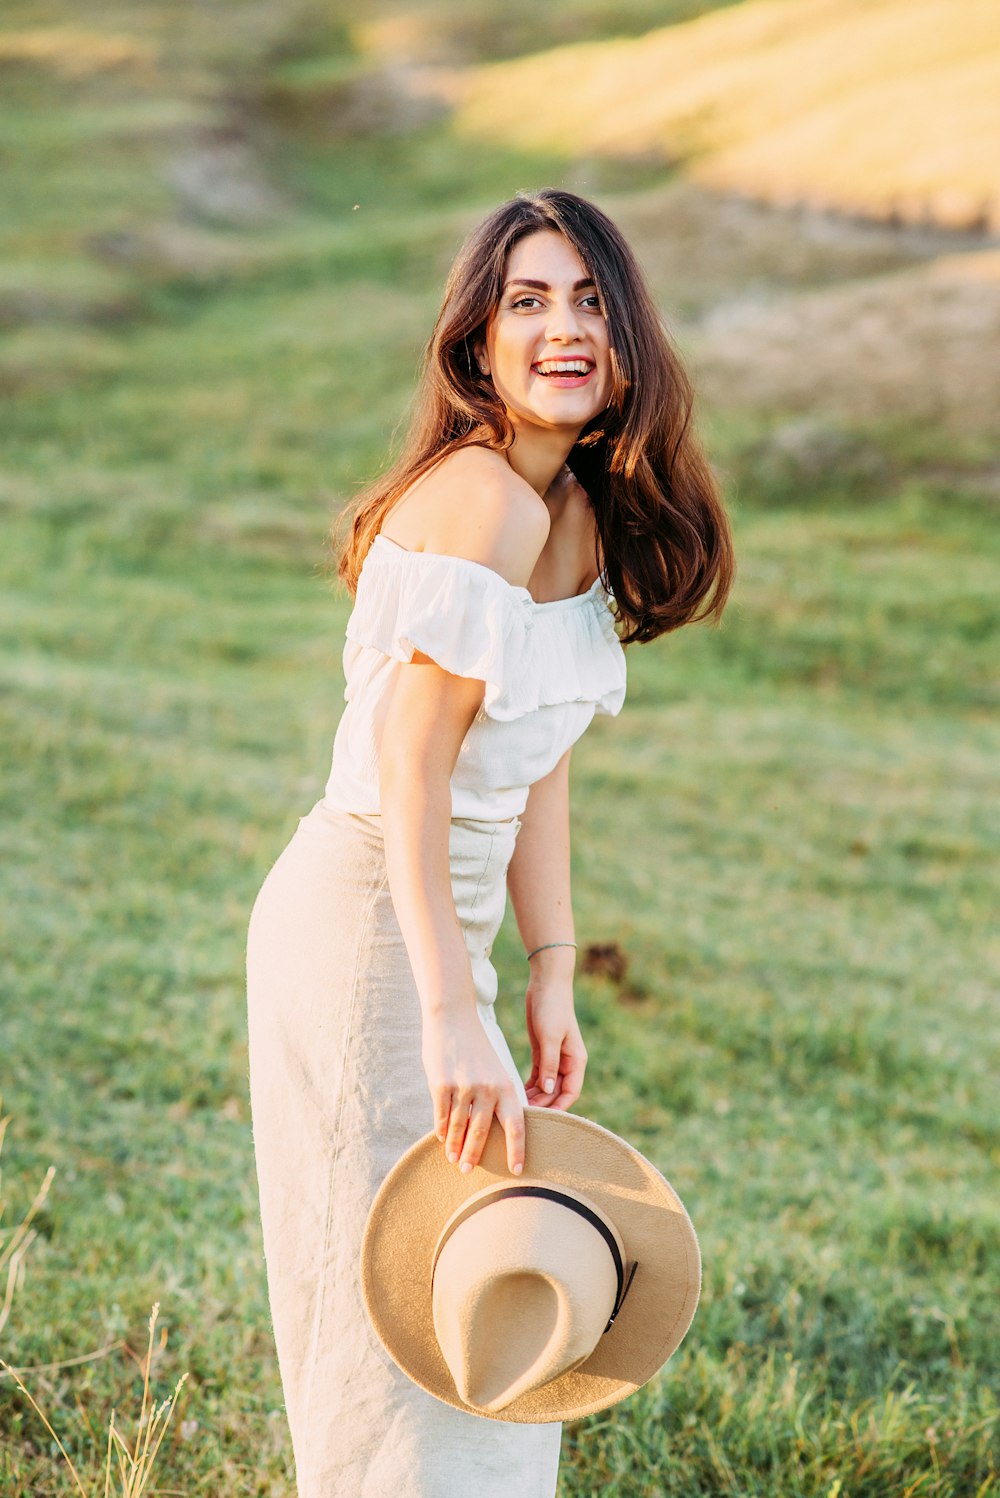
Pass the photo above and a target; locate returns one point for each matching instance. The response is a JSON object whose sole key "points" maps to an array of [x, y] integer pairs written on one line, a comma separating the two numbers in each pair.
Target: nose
{"points": [[563, 322]]}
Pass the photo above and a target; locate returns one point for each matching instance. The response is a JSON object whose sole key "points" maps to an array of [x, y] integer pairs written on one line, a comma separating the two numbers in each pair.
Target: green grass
{"points": [[791, 833]]}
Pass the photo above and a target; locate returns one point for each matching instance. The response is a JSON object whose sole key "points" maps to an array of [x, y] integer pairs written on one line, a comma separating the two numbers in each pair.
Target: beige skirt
{"points": [[338, 1093]]}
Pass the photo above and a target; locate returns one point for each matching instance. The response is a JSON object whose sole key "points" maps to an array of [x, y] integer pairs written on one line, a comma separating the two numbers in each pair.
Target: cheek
{"points": [[603, 383], [511, 363]]}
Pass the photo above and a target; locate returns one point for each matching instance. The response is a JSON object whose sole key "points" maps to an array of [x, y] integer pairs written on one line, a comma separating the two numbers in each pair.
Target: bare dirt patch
{"points": [[803, 312], [702, 247], [921, 343]]}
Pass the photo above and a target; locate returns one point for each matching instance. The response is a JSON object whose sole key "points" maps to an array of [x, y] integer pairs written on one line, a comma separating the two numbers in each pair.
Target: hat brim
{"points": [[422, 1191]]}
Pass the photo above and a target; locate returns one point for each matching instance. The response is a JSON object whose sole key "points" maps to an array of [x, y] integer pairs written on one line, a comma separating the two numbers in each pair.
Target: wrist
{"points": [[447, 1009], [552, 958]]}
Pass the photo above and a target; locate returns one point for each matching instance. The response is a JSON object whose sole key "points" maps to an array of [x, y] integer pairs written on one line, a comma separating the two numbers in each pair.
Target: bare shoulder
{"points": [[472, 504]]}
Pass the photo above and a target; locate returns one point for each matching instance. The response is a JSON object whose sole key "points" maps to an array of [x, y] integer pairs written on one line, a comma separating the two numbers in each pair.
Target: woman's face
{"points": [[546, 345]]}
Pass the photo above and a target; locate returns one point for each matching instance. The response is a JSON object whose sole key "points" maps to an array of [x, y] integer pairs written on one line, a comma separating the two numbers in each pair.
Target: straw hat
{"points": [[531, 1298]]}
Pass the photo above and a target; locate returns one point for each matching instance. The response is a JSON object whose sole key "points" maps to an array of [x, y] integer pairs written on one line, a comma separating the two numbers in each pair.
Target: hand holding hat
{"points": [[535, 1299]]}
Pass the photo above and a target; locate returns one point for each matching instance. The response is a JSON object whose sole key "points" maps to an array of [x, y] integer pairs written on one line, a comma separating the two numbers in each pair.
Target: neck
{"points": [[538, 455]]}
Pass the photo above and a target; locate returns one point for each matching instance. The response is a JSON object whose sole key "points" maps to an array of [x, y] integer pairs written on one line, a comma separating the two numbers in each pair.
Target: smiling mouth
{"points": [[563, 369]]}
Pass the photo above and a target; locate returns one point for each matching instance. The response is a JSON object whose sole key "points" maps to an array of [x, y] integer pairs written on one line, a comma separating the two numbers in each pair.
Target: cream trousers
{"points": [[337, 1094]]}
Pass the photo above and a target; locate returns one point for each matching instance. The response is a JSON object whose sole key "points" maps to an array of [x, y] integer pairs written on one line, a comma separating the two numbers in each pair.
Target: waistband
{"points": [[374, 820]]}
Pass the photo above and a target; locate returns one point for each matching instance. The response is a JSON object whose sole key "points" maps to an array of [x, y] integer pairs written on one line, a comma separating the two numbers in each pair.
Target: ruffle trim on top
{"points": [[474, 623]]}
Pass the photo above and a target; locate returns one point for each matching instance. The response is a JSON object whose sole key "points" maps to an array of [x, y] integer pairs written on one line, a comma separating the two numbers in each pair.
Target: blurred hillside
{"points": [[150, 139], [161, 154], [800, 136], [889, 108]]}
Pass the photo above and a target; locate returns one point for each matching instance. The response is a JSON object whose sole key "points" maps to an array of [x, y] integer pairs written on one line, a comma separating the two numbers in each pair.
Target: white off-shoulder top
{"points": [[548, 668]]}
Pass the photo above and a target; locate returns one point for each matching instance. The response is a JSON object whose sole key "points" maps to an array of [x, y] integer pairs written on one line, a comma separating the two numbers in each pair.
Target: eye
{"points": [[594, 301], [523, 301]]}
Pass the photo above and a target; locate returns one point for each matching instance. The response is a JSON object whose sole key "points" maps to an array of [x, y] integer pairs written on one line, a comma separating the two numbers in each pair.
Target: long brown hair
{"points": [[663, 531]]}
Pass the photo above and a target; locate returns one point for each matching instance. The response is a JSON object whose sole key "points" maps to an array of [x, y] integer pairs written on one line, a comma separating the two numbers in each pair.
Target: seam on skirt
{"points": [[335, 1161], [485, 870]]}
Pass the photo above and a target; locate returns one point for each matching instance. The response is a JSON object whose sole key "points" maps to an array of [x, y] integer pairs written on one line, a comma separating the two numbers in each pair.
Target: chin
{"points": [[569, 418], [555, 414]]}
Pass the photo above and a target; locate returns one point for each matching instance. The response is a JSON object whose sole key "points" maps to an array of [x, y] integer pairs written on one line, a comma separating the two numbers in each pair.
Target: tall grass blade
{"points": [[41, 1415]]}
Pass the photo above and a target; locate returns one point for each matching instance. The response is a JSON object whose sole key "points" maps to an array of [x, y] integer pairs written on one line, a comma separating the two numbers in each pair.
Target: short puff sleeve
{"points": [[464, 615]]}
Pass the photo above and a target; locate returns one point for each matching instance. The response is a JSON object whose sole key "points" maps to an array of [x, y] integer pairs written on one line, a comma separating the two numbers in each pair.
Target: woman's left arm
{"points": [[538, 880]]}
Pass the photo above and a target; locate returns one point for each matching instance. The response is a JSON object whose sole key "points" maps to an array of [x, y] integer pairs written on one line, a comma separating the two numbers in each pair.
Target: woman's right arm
{"points": [[428, 716]]}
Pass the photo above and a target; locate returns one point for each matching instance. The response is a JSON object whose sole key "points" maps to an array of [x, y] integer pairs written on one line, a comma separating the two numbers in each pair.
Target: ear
{"points": [[481, 357]]}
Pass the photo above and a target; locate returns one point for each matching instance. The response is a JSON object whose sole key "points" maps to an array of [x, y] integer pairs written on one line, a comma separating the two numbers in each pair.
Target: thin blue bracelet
{"points": [[546, 944]]}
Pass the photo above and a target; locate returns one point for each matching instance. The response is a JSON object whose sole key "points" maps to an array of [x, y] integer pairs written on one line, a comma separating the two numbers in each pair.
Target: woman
{"points": [[550, 467]]}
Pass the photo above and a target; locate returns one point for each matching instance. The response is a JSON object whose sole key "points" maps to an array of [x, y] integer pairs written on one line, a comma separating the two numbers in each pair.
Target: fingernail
{"points": [[465, 1167], [518, 1169], [549, 1085], [452, 1157]]}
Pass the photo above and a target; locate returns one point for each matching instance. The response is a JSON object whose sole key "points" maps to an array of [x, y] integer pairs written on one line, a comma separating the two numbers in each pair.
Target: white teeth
{"points": [[563, 366]]}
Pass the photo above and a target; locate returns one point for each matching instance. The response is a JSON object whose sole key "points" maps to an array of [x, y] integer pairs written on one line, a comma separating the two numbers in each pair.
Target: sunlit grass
{"points": [[790, 834]]}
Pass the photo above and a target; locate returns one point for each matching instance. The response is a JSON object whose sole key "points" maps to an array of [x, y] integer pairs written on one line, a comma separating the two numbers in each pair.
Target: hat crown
{"points": [[524, 1284]]}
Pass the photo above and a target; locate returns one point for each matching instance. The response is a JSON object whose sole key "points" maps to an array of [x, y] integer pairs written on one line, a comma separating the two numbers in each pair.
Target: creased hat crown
{"points": [[525, 1282]]}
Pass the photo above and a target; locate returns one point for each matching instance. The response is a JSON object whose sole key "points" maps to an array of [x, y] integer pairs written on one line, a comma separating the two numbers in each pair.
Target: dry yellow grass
{"points": [[75, 53], [885, 107], [134, 1463]]}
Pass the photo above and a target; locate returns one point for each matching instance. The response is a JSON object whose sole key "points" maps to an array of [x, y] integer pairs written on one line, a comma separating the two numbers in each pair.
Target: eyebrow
{"points": [[544, 285]]}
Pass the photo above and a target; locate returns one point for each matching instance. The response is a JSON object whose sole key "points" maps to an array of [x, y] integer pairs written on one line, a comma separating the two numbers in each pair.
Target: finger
{"points": [[537, 1098], [572, 1081], [533, 1042], [511, 1115], [442, 1110], [476, 1134], [566, 1098], [574, 1067], [549, 1051], [457, 1124]]}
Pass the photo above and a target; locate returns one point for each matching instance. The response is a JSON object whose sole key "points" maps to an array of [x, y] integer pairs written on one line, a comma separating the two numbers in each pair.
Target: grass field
{"points": [[791, 831]]}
